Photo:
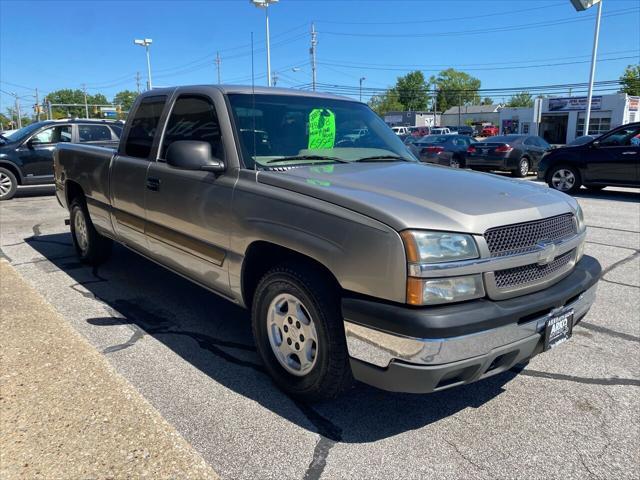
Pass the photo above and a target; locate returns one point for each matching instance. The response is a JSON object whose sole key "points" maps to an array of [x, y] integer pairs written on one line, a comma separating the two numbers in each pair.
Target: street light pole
{"points": [[145, 43], [265, 4], [362, 79], [594, 54]]}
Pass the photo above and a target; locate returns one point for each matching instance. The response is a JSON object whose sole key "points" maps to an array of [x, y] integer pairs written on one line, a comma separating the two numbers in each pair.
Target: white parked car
{"points": [[443, 131], [400, 130]]}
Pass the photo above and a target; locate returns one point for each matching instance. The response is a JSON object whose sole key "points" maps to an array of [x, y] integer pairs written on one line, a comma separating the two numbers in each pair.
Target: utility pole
{"points": [[18, 119], [274, 79], [594, 54], [37, 106], [435, 105], [138, 82], [218, 65], [362, 79], [86, 106], [459, 107], [312, 51]]}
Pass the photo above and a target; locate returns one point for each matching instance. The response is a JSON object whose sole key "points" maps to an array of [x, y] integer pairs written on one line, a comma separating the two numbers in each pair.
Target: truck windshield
{"points": [[282, 130]]}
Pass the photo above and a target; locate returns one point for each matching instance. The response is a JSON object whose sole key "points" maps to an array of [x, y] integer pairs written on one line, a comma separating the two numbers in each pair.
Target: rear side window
{"points": [[193, 118], [144, 126], [94, 133], [117, 130]]}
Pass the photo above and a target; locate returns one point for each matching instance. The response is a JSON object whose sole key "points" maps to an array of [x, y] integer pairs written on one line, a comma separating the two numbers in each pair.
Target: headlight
{"points": [[580, 220], [437, 247], [433, 291]]}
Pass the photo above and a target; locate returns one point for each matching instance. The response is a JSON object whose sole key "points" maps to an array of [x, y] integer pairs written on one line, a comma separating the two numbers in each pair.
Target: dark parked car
{"points": [[446, 150], [462, 130], [518, 154], [26, 156], [611, 159]]}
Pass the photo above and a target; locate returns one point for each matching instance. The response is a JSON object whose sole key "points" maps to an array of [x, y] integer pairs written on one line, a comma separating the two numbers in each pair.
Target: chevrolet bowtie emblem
{"points": [[547, 253]]}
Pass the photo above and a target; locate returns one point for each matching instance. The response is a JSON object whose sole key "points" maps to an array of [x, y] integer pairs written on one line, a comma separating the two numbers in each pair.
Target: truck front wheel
{"points": [[299, 334], [92, 248]]}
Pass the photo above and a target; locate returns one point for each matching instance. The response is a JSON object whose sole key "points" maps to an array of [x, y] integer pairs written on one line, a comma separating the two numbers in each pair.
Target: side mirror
{"points": [[193, 155]]}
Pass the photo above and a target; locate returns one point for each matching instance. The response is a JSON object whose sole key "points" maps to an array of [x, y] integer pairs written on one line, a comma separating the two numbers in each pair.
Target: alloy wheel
{"points": [[292, 334], [563, 179], [5, 184]]}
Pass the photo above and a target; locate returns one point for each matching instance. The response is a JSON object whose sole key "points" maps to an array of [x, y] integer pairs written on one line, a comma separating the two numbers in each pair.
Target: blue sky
{"points": [[57, 44]]}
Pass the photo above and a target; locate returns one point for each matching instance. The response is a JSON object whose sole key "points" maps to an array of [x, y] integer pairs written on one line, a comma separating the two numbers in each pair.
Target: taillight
{"points": [[433, 150], [503, 149], [471, 149]]}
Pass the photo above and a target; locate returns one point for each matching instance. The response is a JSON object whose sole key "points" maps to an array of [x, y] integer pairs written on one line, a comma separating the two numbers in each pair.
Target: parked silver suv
{"points": [[355, 259]]}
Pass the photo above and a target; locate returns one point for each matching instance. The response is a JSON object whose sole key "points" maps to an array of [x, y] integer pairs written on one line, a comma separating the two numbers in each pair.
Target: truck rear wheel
{"points": [[299, 334], [92, 248]]}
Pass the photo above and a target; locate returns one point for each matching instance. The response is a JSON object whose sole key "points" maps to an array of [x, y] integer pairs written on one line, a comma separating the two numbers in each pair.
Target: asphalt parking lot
{"points": [[574, 412]]}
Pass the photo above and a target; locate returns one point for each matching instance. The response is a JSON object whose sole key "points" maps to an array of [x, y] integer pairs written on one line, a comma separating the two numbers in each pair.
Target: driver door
{"points": [[615, 159]]}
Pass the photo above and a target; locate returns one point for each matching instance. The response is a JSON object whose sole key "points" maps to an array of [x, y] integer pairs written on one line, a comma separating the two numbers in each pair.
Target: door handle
{"points": [[153, 184], [629, 153]]}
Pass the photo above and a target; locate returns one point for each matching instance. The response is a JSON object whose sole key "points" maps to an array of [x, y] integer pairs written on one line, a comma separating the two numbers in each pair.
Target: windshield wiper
{"points": [[381, 158], [307, 157]]}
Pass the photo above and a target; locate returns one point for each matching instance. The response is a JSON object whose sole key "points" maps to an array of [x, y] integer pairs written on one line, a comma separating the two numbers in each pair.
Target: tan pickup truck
{"points": [[355, 259]]}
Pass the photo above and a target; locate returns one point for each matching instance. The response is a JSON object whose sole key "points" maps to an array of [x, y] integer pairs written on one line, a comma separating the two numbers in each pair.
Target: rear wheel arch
{"points": [[73, 191], [261, 256]]}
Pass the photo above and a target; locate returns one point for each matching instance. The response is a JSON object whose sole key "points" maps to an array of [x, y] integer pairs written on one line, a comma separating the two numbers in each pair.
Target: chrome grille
{"points": [[523, 237], [527, 274]]}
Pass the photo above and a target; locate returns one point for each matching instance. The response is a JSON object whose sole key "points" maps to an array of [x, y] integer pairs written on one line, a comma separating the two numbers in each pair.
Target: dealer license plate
{"points": [[558, 329]]}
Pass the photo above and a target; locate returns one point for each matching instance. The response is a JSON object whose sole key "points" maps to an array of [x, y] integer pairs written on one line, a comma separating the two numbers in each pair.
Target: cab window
{"points": [[621, 138]]}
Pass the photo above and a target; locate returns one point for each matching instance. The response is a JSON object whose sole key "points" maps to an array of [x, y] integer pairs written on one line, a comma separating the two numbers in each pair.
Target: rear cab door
{"points": [[189, 211], [128, 174]]}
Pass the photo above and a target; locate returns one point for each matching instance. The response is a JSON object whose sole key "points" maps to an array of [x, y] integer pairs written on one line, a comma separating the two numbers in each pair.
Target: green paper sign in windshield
{"points": [[322, 128]]}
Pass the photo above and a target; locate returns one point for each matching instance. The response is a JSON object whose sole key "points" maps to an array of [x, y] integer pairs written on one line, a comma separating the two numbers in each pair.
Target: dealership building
{"points": [[562, 119]]}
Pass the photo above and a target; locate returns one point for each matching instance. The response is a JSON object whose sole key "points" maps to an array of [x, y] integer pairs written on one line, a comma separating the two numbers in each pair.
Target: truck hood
{"points": [[413, 195]]}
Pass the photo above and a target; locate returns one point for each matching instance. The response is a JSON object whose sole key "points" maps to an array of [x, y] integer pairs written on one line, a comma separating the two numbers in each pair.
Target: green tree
{"points": [[487, 101], [386, 102], [68, 96], [456, 88], [412, 90], [522, 99], [125, 99], [630, 80]]}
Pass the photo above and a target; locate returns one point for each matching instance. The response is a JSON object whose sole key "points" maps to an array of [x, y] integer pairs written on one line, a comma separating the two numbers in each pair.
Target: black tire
{"points": [[331, 373], [97, 248], [523, 168], [456, 162], [8, 184], [555, 173]]}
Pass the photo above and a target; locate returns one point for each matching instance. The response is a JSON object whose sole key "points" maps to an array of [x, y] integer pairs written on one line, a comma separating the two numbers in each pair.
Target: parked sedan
{"points": [[446, 150], [518, 154], [612, 159]]}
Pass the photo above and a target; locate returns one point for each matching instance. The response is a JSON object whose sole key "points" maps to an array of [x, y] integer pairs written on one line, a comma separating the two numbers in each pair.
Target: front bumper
{"points": [[421, 350]]}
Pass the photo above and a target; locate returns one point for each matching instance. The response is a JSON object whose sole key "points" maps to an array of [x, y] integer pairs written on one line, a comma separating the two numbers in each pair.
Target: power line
{"points": [[481, 69], [432, 20], [512, 28]]}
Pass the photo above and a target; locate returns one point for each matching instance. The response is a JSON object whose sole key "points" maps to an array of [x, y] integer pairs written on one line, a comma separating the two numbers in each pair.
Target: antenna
{"points": [[253, 108]]}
